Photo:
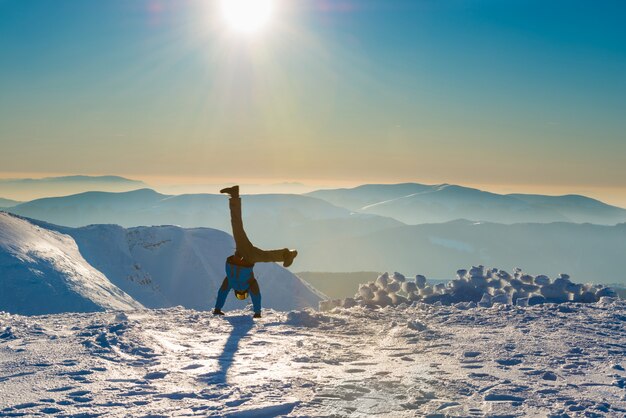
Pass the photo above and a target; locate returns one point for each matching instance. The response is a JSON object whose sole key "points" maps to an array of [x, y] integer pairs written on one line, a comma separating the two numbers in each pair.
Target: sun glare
{"points": [[247, 16]]}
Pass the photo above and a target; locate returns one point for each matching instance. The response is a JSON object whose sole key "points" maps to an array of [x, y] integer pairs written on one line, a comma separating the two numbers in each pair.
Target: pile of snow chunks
{"points": [[474, 287]]}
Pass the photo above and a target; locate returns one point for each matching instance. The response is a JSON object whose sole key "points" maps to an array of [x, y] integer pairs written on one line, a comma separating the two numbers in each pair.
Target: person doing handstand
{"points": [[239, 266]]}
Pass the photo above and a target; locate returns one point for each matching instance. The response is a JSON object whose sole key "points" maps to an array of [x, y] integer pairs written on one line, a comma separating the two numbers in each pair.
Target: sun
{"points": [[247, 16]]}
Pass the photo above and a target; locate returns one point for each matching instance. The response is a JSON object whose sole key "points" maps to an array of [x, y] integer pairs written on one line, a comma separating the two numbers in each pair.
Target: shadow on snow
{"points": [[241, 326]]}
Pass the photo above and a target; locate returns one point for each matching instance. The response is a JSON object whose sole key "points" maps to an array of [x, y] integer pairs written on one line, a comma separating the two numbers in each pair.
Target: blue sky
{"points": [[511, 93]]}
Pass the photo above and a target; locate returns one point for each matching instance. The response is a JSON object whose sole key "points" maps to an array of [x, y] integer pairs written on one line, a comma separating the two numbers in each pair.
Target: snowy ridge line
{"points": [[474, 287]]}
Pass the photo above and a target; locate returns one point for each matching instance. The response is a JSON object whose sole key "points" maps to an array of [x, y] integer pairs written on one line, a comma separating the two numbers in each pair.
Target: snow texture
{"points": [[42, 271], [545, 360], [474, 287]]}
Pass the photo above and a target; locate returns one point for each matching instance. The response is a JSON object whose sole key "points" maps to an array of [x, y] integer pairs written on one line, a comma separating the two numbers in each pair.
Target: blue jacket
{"points": [[239, 276]]}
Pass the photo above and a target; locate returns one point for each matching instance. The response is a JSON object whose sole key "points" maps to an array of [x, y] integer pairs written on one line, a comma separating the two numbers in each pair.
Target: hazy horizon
{"points": [[176, 185]]}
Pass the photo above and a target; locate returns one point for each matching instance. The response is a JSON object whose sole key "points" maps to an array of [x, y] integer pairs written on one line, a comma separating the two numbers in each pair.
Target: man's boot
{"points": [[288, 257], [232, 191], [217, 312]]}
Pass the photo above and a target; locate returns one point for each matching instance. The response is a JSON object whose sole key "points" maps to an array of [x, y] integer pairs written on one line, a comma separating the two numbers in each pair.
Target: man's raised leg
{"points": [[244, 247]]}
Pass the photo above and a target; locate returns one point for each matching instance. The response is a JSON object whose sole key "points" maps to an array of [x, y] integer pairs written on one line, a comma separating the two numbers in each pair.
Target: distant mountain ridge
{"points": [[8, 203], [336, 239], [585, 251], [32, 188], [75, 178], [414, 203]]}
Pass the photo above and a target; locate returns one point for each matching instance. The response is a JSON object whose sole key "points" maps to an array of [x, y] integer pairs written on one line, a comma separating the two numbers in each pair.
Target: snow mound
{"points": [[477, 286], [42, 271]]}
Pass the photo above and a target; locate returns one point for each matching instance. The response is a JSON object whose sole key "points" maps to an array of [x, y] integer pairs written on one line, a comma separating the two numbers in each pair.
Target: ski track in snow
{"points": [[423, 360]]}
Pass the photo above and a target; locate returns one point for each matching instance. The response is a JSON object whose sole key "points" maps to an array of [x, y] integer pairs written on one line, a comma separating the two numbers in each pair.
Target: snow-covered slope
{"points": [[157, 266], [42, 271], [437, 361], [165, 266]]}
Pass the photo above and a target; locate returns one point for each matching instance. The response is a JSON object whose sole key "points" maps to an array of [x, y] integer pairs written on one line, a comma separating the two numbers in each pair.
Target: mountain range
{"points": [[414, 204], [589, 253], [29, 188], [344, 234]]}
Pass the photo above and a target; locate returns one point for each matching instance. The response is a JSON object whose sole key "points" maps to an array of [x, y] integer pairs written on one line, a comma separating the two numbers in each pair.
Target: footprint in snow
{"points": [[500, 397], [78, 393], [50, 410], [155, 375], [447, 405], [5, 378], [481, 376], [192, 367], [26, 405], [249, 372], [398, 354], [61, 389], [472, 366], [548, 391], [76, 373], [177, 395], [508, 362], [82, 399]]}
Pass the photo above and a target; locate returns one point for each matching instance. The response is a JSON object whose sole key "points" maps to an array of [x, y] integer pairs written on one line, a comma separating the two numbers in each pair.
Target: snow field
{"points": [[422, 360]]}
